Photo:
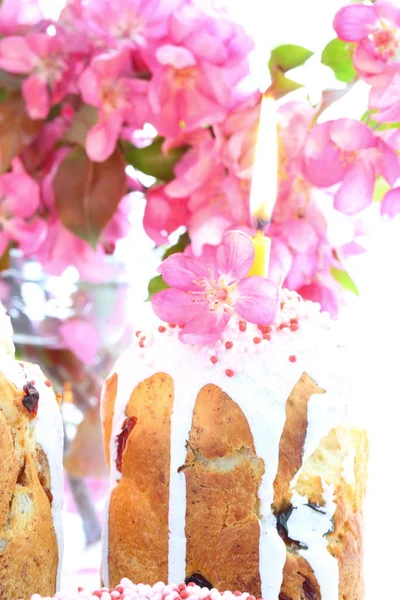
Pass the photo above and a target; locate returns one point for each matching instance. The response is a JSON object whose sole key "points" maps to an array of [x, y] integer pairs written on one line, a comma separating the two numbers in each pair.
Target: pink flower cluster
{"points": [[374, 30], [94, 78], [181, 65]]}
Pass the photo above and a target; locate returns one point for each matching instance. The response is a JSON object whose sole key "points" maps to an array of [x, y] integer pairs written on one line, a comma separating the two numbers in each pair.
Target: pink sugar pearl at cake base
{"points": [[127, 590]]}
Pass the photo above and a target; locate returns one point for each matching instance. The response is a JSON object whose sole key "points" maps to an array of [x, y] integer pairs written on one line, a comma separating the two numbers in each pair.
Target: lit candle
{"points": [[264, 185]]}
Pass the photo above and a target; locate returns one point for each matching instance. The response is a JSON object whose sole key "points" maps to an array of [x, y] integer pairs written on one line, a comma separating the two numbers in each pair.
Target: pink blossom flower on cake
{"points": [[202, 297], [109, 84], [43, 59], [19, 202], [355, 157], [375, 31]]}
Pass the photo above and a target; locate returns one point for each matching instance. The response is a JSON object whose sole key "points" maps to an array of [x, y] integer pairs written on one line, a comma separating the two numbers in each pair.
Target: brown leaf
{"points": [[83, 121], [87, 193], [17, 130]]}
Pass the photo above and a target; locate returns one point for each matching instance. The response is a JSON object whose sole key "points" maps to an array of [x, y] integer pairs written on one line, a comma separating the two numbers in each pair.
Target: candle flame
{"points": [[265, 170]]}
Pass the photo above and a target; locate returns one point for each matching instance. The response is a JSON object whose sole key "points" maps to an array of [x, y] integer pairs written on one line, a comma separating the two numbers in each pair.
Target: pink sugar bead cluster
{"points": [[127, 590]]}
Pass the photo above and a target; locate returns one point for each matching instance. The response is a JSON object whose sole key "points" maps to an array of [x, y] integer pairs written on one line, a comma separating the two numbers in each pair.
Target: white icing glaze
{"points": [[309, 527], [50, 434], [6, 332], [47, 424], [264, 378]]}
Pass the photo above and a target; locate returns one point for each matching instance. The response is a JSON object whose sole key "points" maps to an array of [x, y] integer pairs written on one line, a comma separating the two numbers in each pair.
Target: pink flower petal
{"points": [[176, 56], [351, 135], [180, 271], [101, 139], [365, 59], [16, 55], [391, 203], [354, 23], [235, 256], [82, 338], [326, 297], [257, 300], [319, 151], [357, 188], [387, 163], [205, 328], [175, 306], [36, 95], [29, 235]]}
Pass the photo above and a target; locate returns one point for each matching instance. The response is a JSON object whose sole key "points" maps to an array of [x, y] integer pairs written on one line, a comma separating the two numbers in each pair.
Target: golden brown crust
{"points": [[28, 543], [292, 440], [299, 582], [138, 517], [223, 475]]}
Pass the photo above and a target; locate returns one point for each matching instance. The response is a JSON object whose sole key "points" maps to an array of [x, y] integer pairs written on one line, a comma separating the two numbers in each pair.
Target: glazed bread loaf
{"points": [[31, 440], [240, 465]]}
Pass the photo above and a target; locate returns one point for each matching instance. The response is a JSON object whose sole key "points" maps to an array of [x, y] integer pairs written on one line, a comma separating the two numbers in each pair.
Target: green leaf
{"points": [[17, 130], [338, 55], [281, 86], [4, 94], [83, 120], [87, 193], [152, 160], [345, 280], [381, 187], [157, 284], [183, 241], [288, 56]]}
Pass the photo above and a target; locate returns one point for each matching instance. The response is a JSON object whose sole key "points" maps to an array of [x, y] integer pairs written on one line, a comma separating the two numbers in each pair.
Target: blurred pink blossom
{"points": [[375, 29], [43, 59], [108, 84], [347, 153], [196, 70], [19, 202]]}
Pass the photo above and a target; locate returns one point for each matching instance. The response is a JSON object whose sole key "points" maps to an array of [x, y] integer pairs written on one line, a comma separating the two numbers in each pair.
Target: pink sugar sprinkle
{"points": [[129, 590], [292, 358]]}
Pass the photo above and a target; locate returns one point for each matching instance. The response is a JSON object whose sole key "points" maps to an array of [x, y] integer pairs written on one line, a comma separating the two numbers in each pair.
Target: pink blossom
{"points": [[16, 15], [203, 298], [19, 202], [391, 203], [42, 58], [116, 23], [347, 153], [196, 70], [326, 296], [61, 248], [375, 29], [384, 99], [109, 84], [82, 338], [221, 203], [163, 214]]}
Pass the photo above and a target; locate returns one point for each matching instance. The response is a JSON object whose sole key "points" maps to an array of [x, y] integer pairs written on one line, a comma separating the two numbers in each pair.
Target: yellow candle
{"points": [[262, 248], [263, 185]]}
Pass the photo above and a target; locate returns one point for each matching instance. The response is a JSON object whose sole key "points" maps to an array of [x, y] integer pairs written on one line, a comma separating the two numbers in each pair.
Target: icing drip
{"points": [[263, 377], [6, 332]]}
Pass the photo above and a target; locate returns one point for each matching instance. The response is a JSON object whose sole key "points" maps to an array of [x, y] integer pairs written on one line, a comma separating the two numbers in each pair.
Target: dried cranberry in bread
{"points": [[239, 463], [31, 441]]}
